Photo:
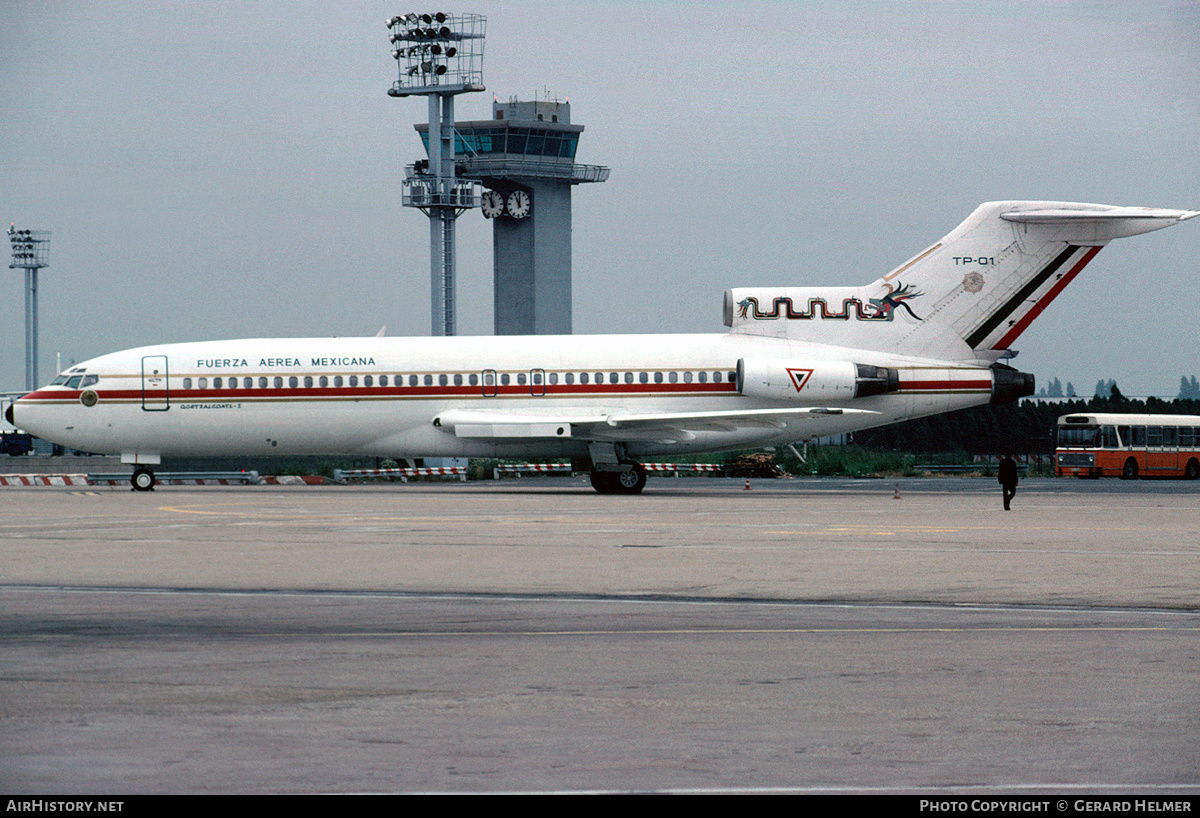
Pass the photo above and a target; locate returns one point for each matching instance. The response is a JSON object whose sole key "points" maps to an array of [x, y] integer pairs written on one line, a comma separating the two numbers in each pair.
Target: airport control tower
{"points": [[525, 157]]}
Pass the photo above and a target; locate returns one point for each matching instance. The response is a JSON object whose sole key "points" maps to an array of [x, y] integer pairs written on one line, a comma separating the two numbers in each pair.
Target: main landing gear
{"points": [[631, 479], [142, 480]]}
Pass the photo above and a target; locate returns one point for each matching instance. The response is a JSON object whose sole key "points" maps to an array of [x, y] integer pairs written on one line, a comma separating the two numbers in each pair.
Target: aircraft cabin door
{"points": [[155, 397]]}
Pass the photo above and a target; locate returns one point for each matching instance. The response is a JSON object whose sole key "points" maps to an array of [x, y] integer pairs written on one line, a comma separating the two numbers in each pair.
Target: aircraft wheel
{"points": [[143, 480], [605, 482], [1130, 472], [631, 481], [1193, 469]]}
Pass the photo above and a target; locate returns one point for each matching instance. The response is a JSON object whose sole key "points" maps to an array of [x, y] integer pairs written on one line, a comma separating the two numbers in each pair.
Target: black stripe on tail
{"points": [[1013, 304]]}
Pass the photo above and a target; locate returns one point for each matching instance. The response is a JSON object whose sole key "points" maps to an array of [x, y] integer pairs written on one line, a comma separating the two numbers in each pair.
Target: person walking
{"points": [[1008, 479]]}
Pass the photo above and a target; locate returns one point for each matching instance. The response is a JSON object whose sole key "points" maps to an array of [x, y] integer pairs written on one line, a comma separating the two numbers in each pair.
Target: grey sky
{"points": [[232, 169]]}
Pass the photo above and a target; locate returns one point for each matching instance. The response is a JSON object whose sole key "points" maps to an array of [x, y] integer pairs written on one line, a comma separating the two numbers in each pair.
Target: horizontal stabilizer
{"points": [[1103, 224]]}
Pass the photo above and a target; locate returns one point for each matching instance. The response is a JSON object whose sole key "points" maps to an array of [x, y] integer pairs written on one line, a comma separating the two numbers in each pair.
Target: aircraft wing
{"points": [[624, 426]]}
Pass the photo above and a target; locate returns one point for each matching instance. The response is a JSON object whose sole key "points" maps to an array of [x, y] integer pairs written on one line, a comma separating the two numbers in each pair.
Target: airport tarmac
{"points": [[530, 635]]}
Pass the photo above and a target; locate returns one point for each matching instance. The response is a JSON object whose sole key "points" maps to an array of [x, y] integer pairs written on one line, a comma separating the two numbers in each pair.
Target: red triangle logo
{"points": [[799, 377]]}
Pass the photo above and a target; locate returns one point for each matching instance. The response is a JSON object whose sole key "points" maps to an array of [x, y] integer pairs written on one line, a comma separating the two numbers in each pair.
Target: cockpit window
{"points": [[73, 381], [89, 380], [60, 380]]}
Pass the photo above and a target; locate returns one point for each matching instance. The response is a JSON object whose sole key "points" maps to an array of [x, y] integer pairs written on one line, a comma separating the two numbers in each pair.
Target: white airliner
{"points": [[796, 363]]}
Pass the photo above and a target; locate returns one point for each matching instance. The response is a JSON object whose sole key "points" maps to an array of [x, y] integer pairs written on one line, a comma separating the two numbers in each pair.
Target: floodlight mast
{"points": [[438, 56], [30, 252]]}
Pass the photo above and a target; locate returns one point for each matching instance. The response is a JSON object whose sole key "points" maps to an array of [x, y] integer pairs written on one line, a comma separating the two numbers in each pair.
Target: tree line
{"points": [[1026, 427]]}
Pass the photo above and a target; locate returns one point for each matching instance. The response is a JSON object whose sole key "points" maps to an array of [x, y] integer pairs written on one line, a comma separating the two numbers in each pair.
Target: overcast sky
{"points": [[232, 169]]}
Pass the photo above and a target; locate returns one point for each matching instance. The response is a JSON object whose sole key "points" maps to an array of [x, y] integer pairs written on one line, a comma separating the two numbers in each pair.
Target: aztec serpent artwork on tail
{"points": [[885, 307]]}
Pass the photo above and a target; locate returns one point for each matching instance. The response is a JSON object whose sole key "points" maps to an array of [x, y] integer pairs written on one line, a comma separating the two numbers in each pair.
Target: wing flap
{"points": [[626, 426]]}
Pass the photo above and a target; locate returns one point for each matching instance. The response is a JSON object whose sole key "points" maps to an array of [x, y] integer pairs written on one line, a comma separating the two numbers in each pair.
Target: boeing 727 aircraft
{"points": [[796, 363]]}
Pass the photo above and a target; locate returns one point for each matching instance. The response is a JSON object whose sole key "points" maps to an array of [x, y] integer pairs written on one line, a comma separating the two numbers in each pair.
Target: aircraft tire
{"points": [[604, 482], [142, 480], [631, 481], [1130, 471]]}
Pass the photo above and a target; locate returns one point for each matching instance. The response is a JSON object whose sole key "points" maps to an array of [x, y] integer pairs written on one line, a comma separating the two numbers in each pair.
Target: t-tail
{"points": [[967, 297]]}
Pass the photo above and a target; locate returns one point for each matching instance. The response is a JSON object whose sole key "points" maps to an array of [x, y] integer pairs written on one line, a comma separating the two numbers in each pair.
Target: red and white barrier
{"points": [[43, 480], [341, 475], [682, 466]]}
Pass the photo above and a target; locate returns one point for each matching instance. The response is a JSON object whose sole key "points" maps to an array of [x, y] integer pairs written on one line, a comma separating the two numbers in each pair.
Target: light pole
{"points": [[30, 252], [439, 56]]}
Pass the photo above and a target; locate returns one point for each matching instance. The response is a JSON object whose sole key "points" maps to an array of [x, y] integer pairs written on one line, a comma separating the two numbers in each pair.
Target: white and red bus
{"points": [[1128, 446]]}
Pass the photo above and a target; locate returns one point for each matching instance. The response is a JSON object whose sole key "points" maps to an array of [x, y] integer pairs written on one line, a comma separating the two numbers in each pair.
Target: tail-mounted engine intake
{"points": [[782, 379]]}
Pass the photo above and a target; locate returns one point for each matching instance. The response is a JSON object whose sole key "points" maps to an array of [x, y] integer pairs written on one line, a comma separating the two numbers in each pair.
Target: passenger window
{"points": [[293, 382], [337, 381], [354, 380], [703, 377], [368, 380], [308, 381], [429, 380], [323, 381], [217, 383], [233, 384], [569, 378], [278, 382], [202, 383], [187, 383], [628, 377], [583, 377], [521, 378], [458, 380], [643, 377], [504, 379], [412, 380], [658, 377], [383, 380], [473, 380], [674, 377], [553, 378], [262, 383]]}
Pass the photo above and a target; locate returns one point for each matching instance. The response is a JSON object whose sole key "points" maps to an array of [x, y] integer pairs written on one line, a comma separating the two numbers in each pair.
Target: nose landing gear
{"points": [[142, 480]]}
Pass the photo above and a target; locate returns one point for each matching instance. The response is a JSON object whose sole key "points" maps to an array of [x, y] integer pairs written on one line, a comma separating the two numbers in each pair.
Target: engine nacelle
{"points": [[783, 379]]}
